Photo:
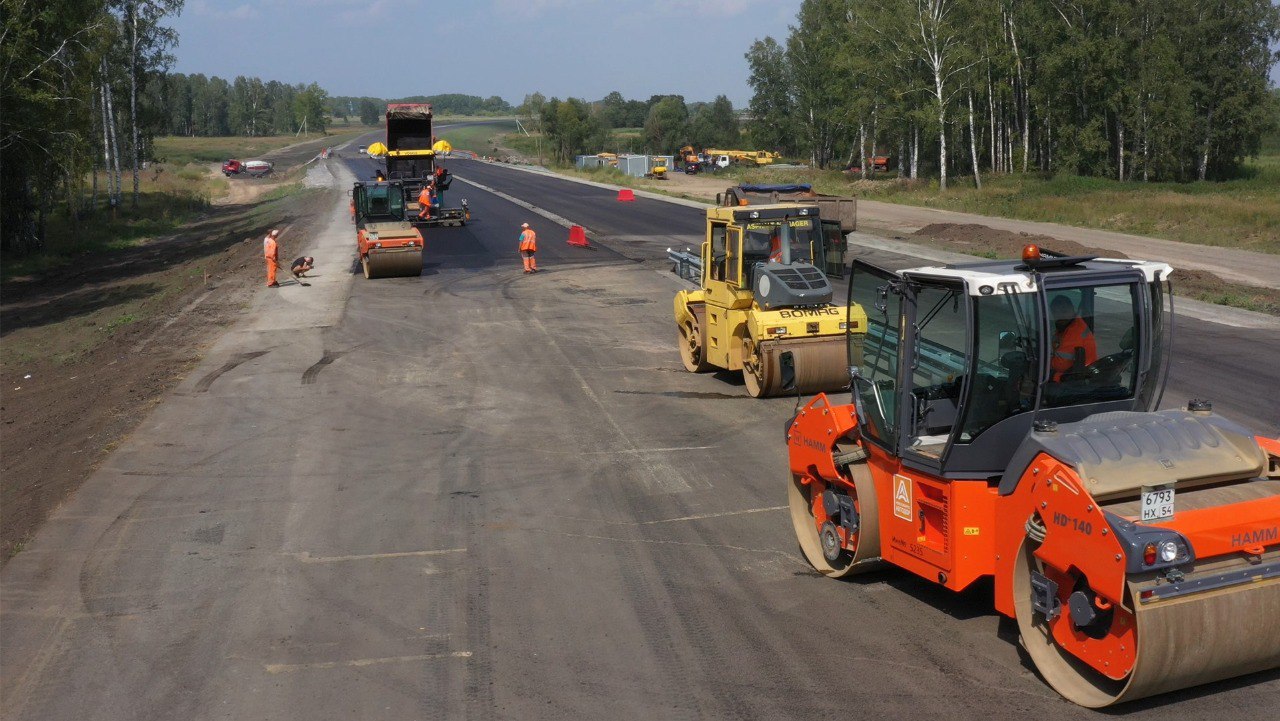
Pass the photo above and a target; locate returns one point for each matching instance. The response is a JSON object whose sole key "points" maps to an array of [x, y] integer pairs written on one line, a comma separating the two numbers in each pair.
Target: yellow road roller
{"points": [[764, 302]]}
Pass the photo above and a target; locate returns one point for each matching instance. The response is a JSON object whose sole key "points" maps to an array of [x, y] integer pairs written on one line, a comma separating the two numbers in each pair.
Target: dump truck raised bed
{"points": [[1003, 425], [764, 291]]}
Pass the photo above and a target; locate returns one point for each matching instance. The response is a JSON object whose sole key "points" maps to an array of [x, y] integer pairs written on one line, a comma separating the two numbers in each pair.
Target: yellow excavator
{"points": [[764, 305]]}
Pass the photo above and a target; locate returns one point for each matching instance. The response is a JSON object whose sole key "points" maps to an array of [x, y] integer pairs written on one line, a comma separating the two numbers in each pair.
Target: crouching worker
{"points": [[302, 266]]}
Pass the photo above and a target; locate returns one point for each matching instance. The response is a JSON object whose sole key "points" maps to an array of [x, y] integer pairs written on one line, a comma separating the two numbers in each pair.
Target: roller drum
{"points": [[1181, 642], [393, 263], [821, 365]]}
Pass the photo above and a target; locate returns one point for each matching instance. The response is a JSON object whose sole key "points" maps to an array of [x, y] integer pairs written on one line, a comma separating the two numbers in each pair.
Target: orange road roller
{"points": [[386, 241], [1003, 424]]}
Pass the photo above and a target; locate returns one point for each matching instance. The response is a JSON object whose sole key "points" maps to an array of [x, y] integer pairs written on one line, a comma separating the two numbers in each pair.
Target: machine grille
{"points": [[801, 278]]}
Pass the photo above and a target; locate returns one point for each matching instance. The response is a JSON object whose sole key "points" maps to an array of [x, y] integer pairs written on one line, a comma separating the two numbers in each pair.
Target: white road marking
{"points": [[306, 557], [358, 662], [722, 514]]}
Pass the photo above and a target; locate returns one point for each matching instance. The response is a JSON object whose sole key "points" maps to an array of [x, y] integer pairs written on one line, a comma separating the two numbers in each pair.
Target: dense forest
{"points": [[211, 106], [575, 126], [369, 110], [77, 85], [1128, 89]]}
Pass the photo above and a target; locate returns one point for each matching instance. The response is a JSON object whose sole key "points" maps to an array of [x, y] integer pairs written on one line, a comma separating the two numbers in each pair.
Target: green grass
{"points": [[178, 150], [477, 138]]}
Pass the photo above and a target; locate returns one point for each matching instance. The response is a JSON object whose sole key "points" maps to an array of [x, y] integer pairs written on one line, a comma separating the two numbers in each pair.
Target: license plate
{"points": [[1157, 504]]}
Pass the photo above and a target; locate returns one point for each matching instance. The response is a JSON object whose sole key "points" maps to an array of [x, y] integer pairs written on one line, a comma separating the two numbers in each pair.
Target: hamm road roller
{"points": [[1003, 423], [762, 294], [387, 243]]}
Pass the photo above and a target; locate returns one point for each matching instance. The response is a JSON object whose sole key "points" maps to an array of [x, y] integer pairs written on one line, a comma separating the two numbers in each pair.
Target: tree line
{"points": [[74, 88], [370, 110], [195, 105], [575, 127], [1130, 89]]}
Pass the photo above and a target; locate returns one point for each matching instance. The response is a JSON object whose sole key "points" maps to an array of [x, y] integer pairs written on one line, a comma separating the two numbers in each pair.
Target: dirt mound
{"points": [[1005, 243]]}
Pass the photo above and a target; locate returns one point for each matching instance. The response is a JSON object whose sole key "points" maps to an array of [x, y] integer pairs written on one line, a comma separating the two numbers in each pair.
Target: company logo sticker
{"points": [[902, 497]]}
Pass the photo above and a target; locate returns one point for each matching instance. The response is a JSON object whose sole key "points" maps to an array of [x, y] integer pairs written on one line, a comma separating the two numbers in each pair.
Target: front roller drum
{"points": [[818, 535], [394, 263], [821, 365], [1180, 642]]}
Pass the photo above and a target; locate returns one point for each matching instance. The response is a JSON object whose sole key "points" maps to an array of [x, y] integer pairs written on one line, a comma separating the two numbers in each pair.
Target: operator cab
{"points": [[958, 361], [378, 202]]}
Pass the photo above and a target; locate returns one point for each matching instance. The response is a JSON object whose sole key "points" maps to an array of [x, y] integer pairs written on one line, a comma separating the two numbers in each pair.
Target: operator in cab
{"points": [[1074, 346]]}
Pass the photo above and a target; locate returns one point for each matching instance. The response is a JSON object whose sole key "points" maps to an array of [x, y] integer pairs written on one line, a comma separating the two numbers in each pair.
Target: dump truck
{"points": [[764, 292], [409, 155], [386, 242], [1137, 550], [832, 207]]}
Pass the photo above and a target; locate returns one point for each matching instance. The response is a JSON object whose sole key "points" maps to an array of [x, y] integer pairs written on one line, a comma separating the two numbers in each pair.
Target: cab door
{"points": [[724, 296]]}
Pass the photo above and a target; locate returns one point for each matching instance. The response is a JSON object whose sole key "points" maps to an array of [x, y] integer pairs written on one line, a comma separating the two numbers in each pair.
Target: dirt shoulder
{"points": [[88, 349]]}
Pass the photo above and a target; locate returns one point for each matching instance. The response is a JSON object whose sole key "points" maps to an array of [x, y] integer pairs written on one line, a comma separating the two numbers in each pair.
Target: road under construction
{"points": [[480, 494]]}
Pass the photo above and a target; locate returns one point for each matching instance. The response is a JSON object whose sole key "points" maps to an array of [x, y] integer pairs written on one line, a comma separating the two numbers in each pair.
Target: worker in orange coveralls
{"points": [[528, 247], [425, 200], [271, 249]]}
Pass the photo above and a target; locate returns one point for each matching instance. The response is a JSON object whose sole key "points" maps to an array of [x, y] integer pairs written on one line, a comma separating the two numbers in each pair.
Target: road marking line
{"points": [[701, 516], [645, 450], [359, 662], [558, 219], [306, 557]]}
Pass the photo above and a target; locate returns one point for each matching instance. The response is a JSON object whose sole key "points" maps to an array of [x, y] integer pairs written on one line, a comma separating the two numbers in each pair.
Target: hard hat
{"points": [[524, 225], [275, 233]]}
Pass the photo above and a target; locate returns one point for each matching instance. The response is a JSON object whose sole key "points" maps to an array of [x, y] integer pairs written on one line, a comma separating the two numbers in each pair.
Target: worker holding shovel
{"points": [[271, 249]]}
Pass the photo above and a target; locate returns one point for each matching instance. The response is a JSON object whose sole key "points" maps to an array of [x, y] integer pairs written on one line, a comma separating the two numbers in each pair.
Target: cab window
{"points": [[875, 353], [938, 372], [1007, 351], [1093, 347], [718, 252], [733, 262]]}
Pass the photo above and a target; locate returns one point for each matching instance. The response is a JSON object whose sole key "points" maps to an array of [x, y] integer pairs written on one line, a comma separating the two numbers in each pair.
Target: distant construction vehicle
{"points": [[1003, 425], [764, 292], [832, 207], [746, 157], [386, 242], [657, 168]]}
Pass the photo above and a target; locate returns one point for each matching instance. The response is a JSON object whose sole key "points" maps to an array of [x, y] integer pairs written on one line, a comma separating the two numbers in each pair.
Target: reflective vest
{"points": [[424, 198], [1076, 335], [270, 249], [529, 241]]}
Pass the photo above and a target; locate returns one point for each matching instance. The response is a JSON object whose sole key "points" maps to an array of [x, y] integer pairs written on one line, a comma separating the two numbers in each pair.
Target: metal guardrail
{"points": [[688, 265]]}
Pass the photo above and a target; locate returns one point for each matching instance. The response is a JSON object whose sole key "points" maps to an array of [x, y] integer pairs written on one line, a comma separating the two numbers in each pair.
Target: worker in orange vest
{"points": [[1074, 346], [528, 247], [425, 201], [271, 249]]}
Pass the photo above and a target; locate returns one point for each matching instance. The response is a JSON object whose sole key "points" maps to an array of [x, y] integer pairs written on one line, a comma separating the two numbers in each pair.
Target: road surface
{"points": [[481, 494]]}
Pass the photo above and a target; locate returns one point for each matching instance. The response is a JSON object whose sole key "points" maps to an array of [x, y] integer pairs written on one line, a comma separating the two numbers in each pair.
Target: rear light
{"points": [[777, 330], [1149, 554]]}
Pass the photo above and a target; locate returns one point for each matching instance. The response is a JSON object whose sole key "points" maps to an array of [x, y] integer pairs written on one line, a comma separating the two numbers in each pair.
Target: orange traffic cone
{"points": [[578, 236], [626, 196]]}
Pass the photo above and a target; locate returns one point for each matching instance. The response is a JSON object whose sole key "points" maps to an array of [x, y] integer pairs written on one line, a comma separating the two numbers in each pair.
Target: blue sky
{"points": [[390, 48], [581, 48]]}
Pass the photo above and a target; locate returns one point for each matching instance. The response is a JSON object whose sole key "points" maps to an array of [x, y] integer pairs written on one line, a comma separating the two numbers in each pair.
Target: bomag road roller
{"points": [[387, 243], [1003, 424], [761, 295]]}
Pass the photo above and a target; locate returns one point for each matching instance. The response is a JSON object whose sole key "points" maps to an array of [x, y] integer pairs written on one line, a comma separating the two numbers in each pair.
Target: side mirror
{"points": [[788, 362]]}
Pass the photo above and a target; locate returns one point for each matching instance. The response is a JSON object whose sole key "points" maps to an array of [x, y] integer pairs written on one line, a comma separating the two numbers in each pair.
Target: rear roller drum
{"points": [[692, 354], [826, 542], [388, 265], [761, 382]]}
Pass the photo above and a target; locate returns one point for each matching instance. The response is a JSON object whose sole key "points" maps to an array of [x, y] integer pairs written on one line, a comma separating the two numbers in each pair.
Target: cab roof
{"points": [[1014, 276]]}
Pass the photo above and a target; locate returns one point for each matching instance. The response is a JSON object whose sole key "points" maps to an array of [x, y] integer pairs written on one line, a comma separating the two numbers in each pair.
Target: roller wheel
{"points": [[818, 536], [753, 372], [691, 350], [1041, 637]]}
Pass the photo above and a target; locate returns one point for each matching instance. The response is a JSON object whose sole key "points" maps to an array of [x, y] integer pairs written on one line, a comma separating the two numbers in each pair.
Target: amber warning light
{"points": [[1030, 253]]}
